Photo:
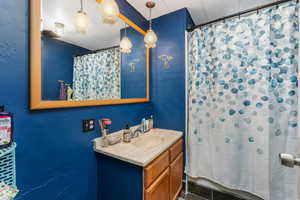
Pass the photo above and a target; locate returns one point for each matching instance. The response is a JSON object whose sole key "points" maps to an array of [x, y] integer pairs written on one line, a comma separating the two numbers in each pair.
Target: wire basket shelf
{"points": [[8, 165]]}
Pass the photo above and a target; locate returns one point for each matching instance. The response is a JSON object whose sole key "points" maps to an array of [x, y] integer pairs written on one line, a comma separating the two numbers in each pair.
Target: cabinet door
{"points": [[176, 174], [160, 189], [156, 168]]}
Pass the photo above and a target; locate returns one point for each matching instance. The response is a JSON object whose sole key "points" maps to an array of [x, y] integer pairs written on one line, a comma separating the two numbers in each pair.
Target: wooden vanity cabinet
{"points": [[163, 176], [176, 174]]}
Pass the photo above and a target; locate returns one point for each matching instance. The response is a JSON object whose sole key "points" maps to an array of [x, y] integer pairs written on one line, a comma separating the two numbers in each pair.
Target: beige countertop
{"points": [[142, 150]]}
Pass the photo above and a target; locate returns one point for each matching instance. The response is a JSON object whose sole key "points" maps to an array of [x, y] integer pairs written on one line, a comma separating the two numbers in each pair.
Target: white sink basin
{"points": [[142, 150], [148, 141]]}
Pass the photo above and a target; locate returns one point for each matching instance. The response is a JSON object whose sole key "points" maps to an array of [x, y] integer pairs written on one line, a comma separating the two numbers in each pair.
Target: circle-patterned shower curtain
{"points": [[243, 102]]}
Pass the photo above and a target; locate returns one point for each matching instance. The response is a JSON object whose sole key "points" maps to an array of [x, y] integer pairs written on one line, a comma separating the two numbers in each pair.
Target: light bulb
{"points": [[125, 45], [109, 11], [82, 22], [150, 39]]}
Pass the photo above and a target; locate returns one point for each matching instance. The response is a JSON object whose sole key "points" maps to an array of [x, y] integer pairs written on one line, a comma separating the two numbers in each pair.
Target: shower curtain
{"points": [[242, 102], [97, 76]]}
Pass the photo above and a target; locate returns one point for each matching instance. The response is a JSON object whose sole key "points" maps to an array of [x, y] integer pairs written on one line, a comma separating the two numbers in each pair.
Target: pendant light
{"points": [[150, 37], [109, 11], [125, 44], [81, 20]]}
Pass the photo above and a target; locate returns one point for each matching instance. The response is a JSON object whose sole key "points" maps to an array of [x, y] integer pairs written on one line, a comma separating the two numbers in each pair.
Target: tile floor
{"points": [[194, 197], [201, 193]]}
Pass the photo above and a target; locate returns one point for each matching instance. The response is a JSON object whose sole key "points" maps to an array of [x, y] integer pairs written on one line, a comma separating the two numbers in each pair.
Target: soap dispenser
{"points": [[127, 134]]}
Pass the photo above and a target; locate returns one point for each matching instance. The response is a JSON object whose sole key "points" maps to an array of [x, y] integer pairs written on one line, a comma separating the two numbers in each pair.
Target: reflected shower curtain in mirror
{"points": [[243, 102], [97, 76]]}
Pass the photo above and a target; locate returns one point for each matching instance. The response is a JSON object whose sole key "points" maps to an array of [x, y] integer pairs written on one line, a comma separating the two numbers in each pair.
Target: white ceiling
{"points": [[99, 35], [201, 10]]}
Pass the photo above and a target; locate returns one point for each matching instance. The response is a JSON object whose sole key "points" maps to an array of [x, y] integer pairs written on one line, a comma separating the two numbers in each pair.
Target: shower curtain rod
{"points": [[240, 13], [96, 51]]}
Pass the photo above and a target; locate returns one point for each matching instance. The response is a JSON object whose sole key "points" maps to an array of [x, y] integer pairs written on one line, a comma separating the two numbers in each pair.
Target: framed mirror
{"points": [[72, 65]]}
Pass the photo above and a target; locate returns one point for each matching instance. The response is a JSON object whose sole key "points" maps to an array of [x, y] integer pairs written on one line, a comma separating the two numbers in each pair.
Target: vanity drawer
{"points": [[175, 150], [154, 169], [160, 189]]}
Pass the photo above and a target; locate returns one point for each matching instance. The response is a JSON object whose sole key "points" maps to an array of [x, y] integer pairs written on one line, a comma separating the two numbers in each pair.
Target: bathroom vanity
{"points": [[149, 168]]}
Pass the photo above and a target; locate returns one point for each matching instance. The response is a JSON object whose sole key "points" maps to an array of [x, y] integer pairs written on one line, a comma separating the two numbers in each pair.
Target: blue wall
{"points": [[57, 64], [168, 85], [55, 160], [131, 13]]}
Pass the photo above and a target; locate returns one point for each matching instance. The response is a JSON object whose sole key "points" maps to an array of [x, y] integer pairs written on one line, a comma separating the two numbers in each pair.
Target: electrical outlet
{"points": [[88, 125]]}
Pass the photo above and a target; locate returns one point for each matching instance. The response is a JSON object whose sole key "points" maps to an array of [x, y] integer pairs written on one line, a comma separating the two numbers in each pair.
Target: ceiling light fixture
{"points": [[109, 11], [125, 44], [150, 37], [59, 28], [82, 20]]}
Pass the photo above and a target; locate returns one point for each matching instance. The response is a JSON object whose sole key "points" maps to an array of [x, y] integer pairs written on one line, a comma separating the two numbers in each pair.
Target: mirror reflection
{"points": [[86, 59]]}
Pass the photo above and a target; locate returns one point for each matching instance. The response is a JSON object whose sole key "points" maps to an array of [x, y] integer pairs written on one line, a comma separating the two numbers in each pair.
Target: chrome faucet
{"points": [[140, 130], [104, 130], [136, 133]]}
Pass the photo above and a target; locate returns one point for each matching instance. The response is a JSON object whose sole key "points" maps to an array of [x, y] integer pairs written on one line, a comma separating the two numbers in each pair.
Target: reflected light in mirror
{"points": [[109, 11], [59, 28], [81, 22], [125, 45]]}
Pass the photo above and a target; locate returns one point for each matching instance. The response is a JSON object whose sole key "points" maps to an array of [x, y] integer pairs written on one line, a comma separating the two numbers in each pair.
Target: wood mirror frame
{"points": [[36, 102]]}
